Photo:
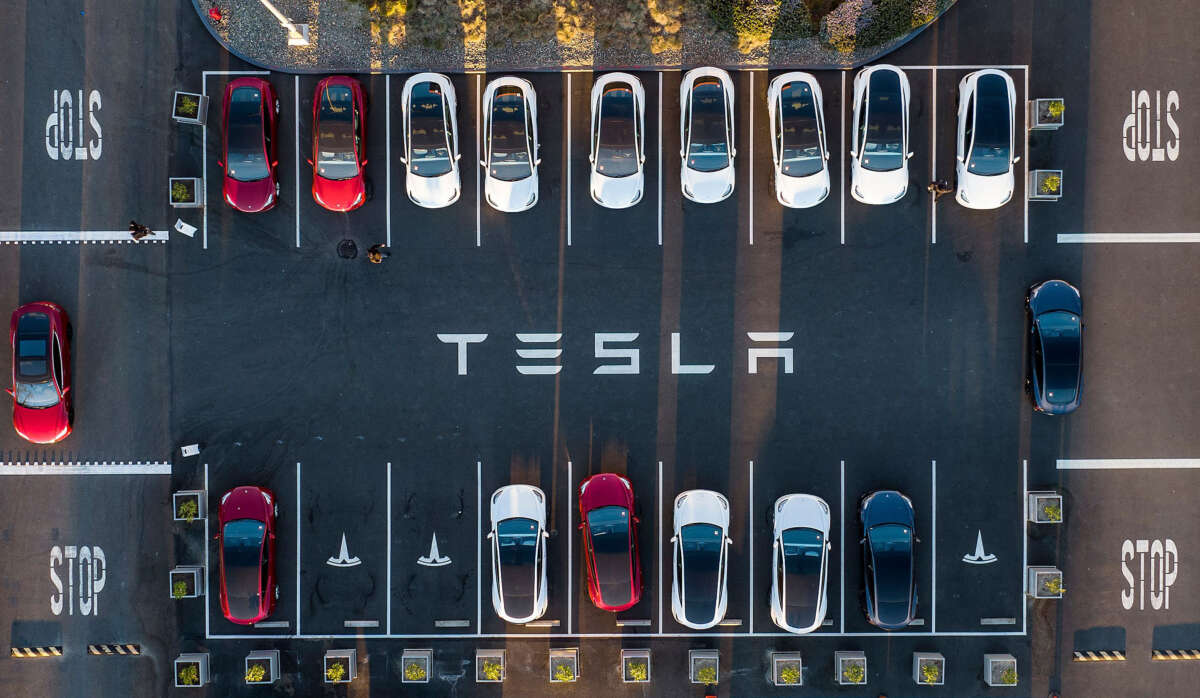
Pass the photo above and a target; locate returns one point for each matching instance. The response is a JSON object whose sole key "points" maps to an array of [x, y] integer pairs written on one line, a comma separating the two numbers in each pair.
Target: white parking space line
{"points": [[570, 504], [842, 541], [78, 236], [933, 552], [1025, 155], [207, 569], [933, 161], [568, 168], [298, 517], [660, 181], [388, 110], [478, 546], [661, 532], [1127, 463], [1024, 536], [389, 532], [89, 468], [296, 128], [478, 155], [1169, 238], [750, 511], [844, 173], [751, 216]]}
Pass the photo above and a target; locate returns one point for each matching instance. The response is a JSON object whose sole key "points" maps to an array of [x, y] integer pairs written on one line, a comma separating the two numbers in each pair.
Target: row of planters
{"points": [[1045, 114], [187, 581], [187, 108], [1044, 581]]}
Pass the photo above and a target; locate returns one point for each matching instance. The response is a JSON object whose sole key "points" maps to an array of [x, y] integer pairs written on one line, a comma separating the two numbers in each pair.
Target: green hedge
{"points": [[776, 19]]}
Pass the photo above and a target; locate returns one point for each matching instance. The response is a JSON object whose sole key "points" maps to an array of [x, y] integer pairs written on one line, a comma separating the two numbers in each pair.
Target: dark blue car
{"points": [[888, 565], [1055, 380]]}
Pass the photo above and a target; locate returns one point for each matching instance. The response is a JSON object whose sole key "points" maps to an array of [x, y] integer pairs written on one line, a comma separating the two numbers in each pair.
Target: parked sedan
{"points": [[41, 372], [518, 536], [246, 538], [339, 144], [618, 140], [251, 182], [700, 557], [1055, 347], [610, 551], [799, 562], [706, 132], [879, 153], [431, 141], [510, 145], [987, 105], [888, 566], [797, 116]]}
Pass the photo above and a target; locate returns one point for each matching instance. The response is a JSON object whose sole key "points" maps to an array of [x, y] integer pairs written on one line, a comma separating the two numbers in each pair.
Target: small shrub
{"points": [[853, 673], [256, 673], [188, 509], [930, 673], [189, 106], [189, 675], [638, 671], [1008, 677], [180, 192], [840, 27], [1054, 586], [179, 589], [760, 21], [563, 672], [335, 672], [492, 670], [707, 674], [1050, 185], [1055, 108], [790, 674], [415, 671], [1052, 512]]}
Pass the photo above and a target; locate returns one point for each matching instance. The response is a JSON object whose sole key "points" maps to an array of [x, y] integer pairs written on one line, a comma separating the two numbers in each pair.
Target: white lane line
{"points": [[478, 155], [204, 169], [843, 177], [570, 504], [661, 532], [206, 73], [750, 513], [933, 555], [296, 127], [297, 514], [389, 530], [1127, 463], [527, 636], [660, 159], [138, 468], [388, 110], [568, 176], [752, 211], [207, 596], [933, 160], [1024, 538], [842, 552], [1025, 123], [80, 236], [478, 546], [1128, 237]]}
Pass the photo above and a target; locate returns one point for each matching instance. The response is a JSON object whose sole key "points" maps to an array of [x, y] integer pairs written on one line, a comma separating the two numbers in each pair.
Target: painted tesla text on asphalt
{"points": [[1155, 564], [626, 360], [84, 568], [66, 137], [1141, 125]]}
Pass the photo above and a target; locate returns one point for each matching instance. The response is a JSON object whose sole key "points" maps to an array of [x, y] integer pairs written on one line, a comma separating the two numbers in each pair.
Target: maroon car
{"points": [[339, 143], [251, 182], [41, 372], [246, 534], [610, 550]]}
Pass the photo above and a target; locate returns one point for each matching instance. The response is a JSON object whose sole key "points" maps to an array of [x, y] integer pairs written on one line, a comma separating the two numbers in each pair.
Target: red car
{"points": [[41, 372], [610, 542], [339, 143], [246, 532], [248, 151]]}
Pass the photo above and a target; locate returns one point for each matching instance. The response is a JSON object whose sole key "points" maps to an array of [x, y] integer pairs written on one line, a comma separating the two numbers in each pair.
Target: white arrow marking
{"points": [[980, 557], [434, 558], [343, 558]]}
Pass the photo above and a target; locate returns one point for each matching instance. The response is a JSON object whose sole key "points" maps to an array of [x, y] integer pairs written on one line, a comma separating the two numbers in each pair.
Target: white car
{"points": [[618, 140], [518, 539], [431, 141], [800, 563], [879, 154], [700, 557], [706, 132], [510, 144], [987, 108], [798, 140]]}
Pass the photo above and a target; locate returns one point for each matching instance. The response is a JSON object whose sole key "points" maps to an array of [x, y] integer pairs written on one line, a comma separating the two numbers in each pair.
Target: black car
{"points": [[888, 564], [1055, 347]]}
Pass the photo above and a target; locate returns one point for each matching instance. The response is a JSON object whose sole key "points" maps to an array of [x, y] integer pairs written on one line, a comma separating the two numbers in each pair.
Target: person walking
{"points": [[939, 188], [139, 231], [378, 253]]}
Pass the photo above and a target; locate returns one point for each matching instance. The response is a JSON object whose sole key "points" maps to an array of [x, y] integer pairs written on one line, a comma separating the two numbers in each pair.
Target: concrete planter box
{"points": [[489, 666], [185, 192], [415, 665], [347, 659], [1044, 582], [1044, 508], [850, 668], [191, 670], [189, 108], [1000, 669], [929, 668], [1041, 185], [268, 660], [564, 665], [787, 669], [1040, 117], [704, 666], [192, 577], [635, 666], [184, 499]]}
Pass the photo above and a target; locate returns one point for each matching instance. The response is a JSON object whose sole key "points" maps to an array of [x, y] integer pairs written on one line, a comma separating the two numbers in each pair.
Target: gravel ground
{"points": [[344, 40]]}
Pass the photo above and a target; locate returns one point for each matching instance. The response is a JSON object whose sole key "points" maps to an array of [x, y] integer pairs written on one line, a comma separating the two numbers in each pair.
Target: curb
{"points": [[1100, 656], [115, 649], [30, 652], [1173, 655]]}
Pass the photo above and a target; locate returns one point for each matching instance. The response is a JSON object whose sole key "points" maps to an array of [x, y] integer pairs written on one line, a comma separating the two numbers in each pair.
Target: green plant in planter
{"points": [[1052, 512], [1051, 183], [1055, 109], [563, 672], [189, 675], [853, 673], [790, 675], [188, 509], [255, 673], [415, 671], [707, 674], [1008, 677], [335, 672], [179, 589], [1054, 586], [492, 670], [189, 106], [638, 671], [180, 193], [930, 673]]}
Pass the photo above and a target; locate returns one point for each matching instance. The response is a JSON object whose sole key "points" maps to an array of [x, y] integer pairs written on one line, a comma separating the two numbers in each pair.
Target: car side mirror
{"points": [[860, 540], [458, 156], [728, 540], [537, 161], [674, 538], [1016, 159], [636, 520], [364, 163], [545, 534], [853, 154], [908, 156], [482, 163], [10, 393], [775, 545], [580, 527], [591, 157], [404, 160], [66, 390], [734, 153], [275, 163], [827, 155], [489, 535], [220, 164], [681, 153], [917, 540], [309, 160]]}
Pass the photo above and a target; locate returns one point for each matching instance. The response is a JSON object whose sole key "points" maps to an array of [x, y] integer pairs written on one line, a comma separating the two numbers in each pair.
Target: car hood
{"points": [[523, 501], [802, 512], [879, 187], [249, 197], [43, 425], [887, 507], [701, 506], [708, 187], [1055, 295], [802, 192], [511, 197], [604, 490], [244, 503], [433, 192], [338, 194], [977, 191], [616, 192]]}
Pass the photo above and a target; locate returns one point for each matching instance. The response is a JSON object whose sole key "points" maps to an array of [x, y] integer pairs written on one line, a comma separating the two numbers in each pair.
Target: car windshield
{"points": [[801, 153], [701, 544], [335, 134], [608, 528], [883, 146], [246, 159], [616, 150], [509, 157], [430, 142], [1061, 344], [990, 152], [891, 548], [33, 387], [516, 540], [708, 138], [242, 542], [803, 550]]}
